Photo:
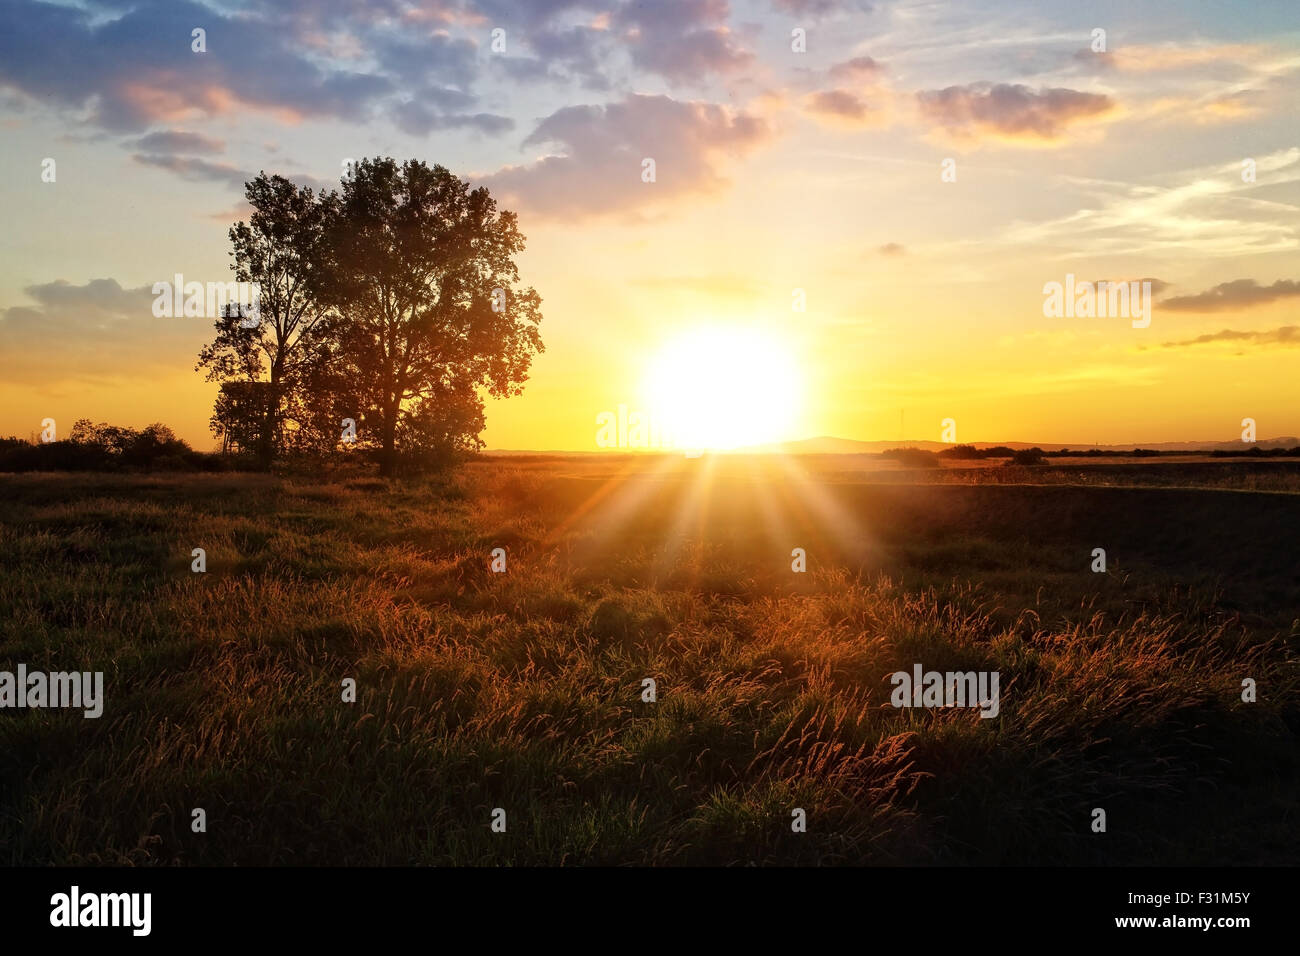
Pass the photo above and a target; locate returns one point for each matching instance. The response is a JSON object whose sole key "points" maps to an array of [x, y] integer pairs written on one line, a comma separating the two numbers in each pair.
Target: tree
{"points": [[281, 248], [441, 425], [155, 445], [106, 447], [240, 413], [426, 307], [110, 439]]}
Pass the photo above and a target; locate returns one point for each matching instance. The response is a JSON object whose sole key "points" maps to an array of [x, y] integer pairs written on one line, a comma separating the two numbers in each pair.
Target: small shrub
{"points": [[1029, 456]]}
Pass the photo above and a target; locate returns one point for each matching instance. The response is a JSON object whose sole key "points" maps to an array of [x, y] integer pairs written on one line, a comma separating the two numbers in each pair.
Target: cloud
{"points": [[418, 120], [135, 67], [196, 170], [598, 166], [128, 65], [1233, 106], [1140, 58], [97, 295], [1238, 294], [837, 103], [1287, 335], [1093, 61], [819, 7], [524, 69], [843, 107], [202, 171], [532, 14], [178, 141], [681, 40], [1205, 211], [1201, 110], [573, 53], [860, 69], [129, 72], [239, 212], [891, 249], [1015, 113], [857, 98], [1157, 285], [94, 333], [423, 59]]}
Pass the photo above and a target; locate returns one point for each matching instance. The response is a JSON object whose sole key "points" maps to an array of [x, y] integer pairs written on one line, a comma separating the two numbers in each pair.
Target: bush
{"points": [[1029, 456]]}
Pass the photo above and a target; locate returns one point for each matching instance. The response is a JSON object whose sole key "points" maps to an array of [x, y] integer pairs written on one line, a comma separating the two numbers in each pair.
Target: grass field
{"points": [[523, 690]]}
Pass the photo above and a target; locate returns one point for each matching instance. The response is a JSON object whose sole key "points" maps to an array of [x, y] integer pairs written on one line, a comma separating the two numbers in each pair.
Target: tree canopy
{"points": [[394, 302]]}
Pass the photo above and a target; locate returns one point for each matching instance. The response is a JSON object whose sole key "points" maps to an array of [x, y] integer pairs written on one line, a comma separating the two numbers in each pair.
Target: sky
{"points": [[877, 193]]}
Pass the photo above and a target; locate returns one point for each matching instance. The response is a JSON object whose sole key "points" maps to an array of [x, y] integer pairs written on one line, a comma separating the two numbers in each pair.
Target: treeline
{"points": [[386, 310], [923, 458], [970, 452], [1256, 452], [104, 447], [154, 448], [1002, 451]]}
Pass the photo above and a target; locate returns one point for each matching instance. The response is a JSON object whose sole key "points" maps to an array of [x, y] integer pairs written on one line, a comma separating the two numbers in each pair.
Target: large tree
{"points": [[282, 248], [427, 309]]}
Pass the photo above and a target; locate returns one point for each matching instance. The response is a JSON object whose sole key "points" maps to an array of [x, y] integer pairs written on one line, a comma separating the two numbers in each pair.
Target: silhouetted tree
{"points": [[426, 307], [281, 249], [240, 414]]}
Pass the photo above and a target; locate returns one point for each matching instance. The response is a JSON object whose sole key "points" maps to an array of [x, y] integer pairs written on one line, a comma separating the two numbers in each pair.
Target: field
{"points": [[523, 690]]}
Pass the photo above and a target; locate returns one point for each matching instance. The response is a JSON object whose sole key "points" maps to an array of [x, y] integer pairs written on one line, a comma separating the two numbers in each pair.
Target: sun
{"points": [[719, 388]]}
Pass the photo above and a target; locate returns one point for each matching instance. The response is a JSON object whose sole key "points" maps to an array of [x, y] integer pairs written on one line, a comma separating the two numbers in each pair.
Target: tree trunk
{"points": [[266, 434], [388, 457], [265, 447], [270, 418]]}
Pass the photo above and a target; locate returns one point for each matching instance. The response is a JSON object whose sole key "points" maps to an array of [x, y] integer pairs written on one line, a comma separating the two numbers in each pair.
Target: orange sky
{"points": [[776, 171]]}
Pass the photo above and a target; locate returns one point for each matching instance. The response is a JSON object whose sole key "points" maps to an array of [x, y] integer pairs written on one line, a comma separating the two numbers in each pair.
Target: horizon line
{"points": [[1208, 444]]}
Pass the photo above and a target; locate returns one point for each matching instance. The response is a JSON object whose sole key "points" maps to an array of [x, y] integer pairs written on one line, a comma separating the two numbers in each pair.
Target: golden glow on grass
{"points": [[721, 387]]}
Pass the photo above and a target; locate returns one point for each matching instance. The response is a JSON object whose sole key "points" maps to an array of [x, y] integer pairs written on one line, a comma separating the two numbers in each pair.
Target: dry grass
{"points": [[523, 690]]}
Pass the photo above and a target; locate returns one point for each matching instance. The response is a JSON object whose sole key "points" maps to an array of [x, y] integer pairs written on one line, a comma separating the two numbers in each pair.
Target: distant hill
{"points": [[829, 445]]}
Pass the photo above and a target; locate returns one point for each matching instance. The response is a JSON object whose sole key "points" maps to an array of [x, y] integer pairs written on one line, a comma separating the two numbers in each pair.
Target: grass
{"points": [[523, 690]]}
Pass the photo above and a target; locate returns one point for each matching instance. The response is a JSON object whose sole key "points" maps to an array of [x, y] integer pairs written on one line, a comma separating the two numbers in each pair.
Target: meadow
{"points": [[523, 690]]}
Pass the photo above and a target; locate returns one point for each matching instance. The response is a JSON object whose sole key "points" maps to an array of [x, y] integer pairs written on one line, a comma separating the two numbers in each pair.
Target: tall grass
{"points": [[523, 690]]}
